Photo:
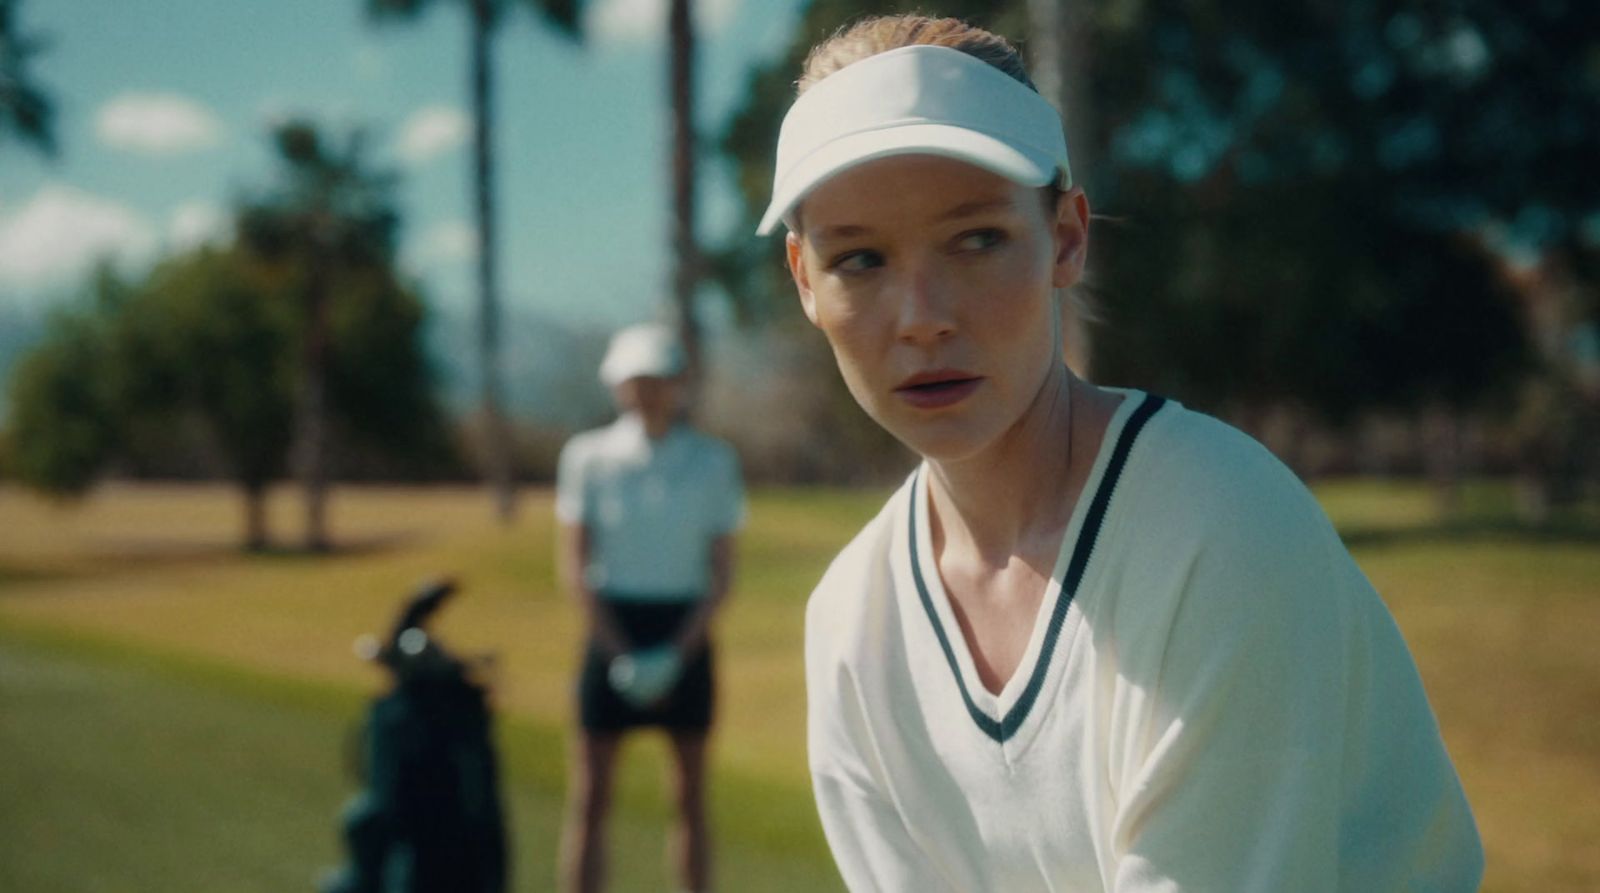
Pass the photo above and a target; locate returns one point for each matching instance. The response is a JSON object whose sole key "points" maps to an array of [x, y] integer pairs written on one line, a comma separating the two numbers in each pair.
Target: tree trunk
{"points": [[255, 515], [1046, 49], [685, 252], [497, 446], [311, 428], [1058, 61]]}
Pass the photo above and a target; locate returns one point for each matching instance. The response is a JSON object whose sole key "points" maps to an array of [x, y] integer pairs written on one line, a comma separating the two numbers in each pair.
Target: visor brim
{"points": [[1021, 165]]}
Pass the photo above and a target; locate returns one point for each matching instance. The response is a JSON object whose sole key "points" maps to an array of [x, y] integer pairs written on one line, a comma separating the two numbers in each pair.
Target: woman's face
{"points": [[654, 399], [934, 282]]}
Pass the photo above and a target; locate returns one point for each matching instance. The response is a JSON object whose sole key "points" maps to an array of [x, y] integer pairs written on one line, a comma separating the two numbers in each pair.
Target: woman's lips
{"points": [[936, 390]]}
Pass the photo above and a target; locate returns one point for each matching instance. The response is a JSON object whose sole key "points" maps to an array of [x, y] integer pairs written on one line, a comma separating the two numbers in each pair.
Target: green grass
{"points": [[126, 771], [172, 711]]}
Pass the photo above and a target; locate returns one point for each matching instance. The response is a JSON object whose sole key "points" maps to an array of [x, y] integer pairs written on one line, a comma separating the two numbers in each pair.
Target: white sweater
{"points": [[1213, 699]]}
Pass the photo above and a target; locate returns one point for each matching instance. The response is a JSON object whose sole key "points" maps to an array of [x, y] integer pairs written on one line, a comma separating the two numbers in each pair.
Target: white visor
{"points": [[917, 100], [644, 350]]}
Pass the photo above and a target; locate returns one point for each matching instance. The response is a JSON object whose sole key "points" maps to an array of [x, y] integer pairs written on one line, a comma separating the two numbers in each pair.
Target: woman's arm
{"points": [[692, 636], [871, 842], [573, 554], [1286, 741]]}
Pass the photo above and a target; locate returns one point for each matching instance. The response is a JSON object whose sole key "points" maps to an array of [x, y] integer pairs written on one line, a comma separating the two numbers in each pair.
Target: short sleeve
{"points": [[729, 511], [1289, 744], [572, 485]]}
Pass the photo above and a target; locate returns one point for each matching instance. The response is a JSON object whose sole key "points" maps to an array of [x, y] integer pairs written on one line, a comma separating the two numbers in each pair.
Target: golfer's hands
{"points": [[645, 676]]}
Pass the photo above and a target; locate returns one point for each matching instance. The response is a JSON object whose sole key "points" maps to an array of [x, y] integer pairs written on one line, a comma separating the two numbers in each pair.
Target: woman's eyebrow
{"points": [[965, 209], [972, 208], [841, 231]]}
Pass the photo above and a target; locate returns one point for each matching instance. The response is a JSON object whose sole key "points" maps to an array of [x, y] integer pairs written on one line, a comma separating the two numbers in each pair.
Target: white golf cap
{"points": [[647, 349], [917, 100]]}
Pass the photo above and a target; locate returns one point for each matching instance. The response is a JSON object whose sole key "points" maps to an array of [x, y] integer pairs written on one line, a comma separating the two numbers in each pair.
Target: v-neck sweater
{"points": [[1212, 698]]}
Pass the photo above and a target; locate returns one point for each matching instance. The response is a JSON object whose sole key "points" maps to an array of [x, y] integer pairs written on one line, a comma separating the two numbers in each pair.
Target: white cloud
{"points": [[444, 244], [643, 21], [195, 223], [58, 233], [157, 124], [431, 132]]}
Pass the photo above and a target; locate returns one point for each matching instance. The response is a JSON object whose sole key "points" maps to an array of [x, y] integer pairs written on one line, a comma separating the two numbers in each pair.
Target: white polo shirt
{"points": [[1213, 699], [652, 507]]}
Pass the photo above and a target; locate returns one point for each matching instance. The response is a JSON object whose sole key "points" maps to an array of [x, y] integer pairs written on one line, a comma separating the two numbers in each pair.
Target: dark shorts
{"points": [[687, 707]]}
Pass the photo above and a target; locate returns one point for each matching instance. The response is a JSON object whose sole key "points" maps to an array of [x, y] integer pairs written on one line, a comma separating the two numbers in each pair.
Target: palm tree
{"points": [[1058, 50], [485, 17], [685, 250], [24, 109], [330, 215]]}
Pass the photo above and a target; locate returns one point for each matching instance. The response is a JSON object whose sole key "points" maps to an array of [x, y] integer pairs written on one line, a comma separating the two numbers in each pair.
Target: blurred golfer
{"points": [[648, 507], [1096, 642]]}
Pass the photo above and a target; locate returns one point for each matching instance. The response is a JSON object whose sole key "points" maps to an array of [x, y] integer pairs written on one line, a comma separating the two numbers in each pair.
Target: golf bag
{"points": [[428, 819]]}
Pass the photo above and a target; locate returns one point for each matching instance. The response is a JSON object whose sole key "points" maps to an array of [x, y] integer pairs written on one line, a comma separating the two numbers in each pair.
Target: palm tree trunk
{"points": [[497, 447], [685, 252], [1046, 46], [1058, 43]]}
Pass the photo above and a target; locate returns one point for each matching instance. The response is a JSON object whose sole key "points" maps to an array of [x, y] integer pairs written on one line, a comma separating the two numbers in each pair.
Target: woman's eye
{"points": [[979, 239], [856, 262]]}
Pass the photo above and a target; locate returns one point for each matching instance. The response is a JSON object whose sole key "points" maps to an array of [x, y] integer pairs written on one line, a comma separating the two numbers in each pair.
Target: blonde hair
{"points": [[879, 34]]}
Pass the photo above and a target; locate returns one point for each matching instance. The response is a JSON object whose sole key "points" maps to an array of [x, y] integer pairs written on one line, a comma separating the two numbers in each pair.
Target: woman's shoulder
{"points": [[592, 440], [1205, 511], [1216, 541], [1193, 469]]}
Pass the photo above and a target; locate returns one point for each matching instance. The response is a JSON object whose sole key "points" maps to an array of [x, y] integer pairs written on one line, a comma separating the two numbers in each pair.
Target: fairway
{"points": [[173, 712], [124, 775]]}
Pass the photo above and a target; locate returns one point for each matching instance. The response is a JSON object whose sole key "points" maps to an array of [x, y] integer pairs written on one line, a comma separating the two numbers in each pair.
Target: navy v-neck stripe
{"points": [[1002, 729]]}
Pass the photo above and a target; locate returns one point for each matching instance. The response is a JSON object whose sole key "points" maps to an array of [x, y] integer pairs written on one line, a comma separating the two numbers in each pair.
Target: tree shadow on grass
{"points": [[1500, 530], [349, 547], [136, 555], [19, 574]]}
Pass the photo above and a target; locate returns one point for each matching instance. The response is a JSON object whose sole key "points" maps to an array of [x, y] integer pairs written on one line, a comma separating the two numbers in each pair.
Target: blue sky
{"points": [[163, 107]]}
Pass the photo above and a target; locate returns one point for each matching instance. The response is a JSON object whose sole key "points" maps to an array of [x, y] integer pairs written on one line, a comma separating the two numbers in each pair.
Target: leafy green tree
{"points": [[205, 337], [485, 17], [26, 112], [385, 410], [211, 341], [329, 217], [1334, 178], [60, 431]]}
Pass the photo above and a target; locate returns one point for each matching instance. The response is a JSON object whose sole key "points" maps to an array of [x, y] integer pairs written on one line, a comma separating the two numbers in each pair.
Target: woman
{"points": [[1096, 641], [647, 508]]}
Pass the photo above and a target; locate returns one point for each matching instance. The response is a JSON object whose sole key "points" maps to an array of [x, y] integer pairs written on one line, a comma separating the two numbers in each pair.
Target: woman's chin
{"points": [[947, 439]]}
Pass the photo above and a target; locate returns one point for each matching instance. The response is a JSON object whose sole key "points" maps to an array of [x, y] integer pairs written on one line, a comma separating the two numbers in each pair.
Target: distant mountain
{"points": [[549, 367]]}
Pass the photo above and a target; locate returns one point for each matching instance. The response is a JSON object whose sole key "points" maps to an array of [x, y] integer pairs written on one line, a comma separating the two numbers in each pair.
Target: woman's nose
{"points": [[925, 305]]}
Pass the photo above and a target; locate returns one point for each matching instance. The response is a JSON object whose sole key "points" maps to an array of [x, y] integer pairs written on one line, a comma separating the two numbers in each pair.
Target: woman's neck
{"points": [[1017, 496], [654, 427]]}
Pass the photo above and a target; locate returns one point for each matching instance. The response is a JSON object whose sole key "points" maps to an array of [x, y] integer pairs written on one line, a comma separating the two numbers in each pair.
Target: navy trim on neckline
{"points": [[1002, 729]]}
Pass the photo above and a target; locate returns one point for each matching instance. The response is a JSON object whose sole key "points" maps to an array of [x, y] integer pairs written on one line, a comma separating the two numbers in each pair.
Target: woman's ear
{"points": [[802, 280], [1071, 227]]}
